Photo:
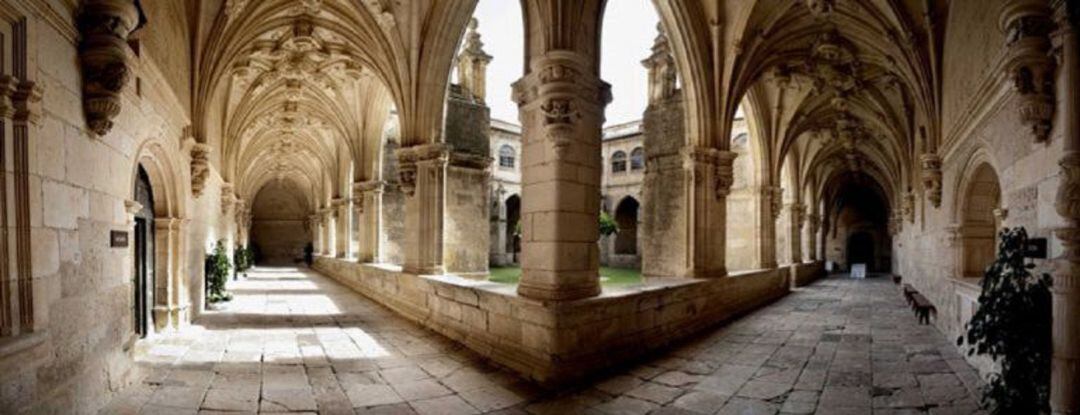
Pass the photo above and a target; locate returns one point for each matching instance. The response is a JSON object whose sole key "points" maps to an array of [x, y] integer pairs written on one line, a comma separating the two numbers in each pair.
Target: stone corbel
{"points": [[200, 168], [931, 178], [104, 27], [1027, 25]]}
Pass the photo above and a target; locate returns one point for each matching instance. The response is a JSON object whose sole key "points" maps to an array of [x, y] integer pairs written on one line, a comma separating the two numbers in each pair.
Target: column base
{"points": [[558, 293]]}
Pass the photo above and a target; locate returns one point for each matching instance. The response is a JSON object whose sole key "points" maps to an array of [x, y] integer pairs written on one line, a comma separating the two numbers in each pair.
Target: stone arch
{"points": [[168, 185], [979, 216], [626, 215]]}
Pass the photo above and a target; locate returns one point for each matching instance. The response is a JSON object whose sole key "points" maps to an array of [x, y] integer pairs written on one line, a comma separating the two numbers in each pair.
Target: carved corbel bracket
{"points": [[931, 178], [104, 27], [1028, 25], [8, 88], [200, 168], [798, 215]]}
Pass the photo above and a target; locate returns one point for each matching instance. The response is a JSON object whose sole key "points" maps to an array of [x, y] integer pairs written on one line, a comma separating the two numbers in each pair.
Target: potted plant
{"points": [[243, 259], [1013, 326], [217, 273]]}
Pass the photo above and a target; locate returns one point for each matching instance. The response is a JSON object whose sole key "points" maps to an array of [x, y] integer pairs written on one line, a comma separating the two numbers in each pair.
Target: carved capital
{"points": [[104, 27], [27, 102], [725, 172], [931, 178], [410, 159]]}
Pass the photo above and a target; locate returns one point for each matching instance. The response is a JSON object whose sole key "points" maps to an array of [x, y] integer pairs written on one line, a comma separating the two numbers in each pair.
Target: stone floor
{"points": [[295, 341]]}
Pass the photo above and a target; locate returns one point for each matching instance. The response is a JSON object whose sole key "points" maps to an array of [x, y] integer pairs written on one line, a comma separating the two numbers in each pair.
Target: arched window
{"points": [[740, 140], [618, 162], [637, 159], [507, 156]]}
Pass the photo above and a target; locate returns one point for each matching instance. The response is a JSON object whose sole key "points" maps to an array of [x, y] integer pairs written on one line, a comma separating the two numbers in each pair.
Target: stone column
{"points": [[326, 218], [561, 101], [796, 215], [498, 231], [342, 211], [171, 303], [1065, 368], [422, 172], [813, 225], [769, 201], [369, 195], [314, 226]]}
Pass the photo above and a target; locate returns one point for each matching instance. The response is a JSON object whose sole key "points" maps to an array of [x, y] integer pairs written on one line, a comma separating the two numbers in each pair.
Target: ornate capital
{"points": [[104, 26], [27, 101], [410, 159], [931, 178], [798, 212]]}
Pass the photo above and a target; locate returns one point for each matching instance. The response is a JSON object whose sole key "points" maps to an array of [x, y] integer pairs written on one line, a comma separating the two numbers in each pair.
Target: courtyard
{"points": [[293, 340]]}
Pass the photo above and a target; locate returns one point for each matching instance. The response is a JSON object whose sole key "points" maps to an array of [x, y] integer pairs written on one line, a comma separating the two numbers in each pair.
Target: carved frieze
{"points": [[104, 27]]}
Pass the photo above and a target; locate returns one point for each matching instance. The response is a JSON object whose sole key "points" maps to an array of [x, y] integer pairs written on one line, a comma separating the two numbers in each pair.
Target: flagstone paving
{"points": [[295, 341]]}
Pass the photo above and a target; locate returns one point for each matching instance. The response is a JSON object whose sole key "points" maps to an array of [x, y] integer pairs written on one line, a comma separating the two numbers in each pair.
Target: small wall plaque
{"points": [[118, 239], [1035, 248]]}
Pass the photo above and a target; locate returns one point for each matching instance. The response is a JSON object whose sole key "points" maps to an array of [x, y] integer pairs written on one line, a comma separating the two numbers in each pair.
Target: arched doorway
{"points": [[513, 227], [626, 215], [860, 249], [982, 199], [143, 275]]}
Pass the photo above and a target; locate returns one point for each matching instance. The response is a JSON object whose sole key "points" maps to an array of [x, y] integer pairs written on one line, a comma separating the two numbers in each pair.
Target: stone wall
{"points": [[78, 351], [552, 343]]}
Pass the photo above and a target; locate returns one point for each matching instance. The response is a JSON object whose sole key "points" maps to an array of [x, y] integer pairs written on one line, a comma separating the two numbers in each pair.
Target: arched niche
{"points": [[626, 215], [979, 216]]}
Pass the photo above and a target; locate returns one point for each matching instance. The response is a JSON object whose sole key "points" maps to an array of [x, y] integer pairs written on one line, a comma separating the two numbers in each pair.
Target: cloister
{"points": [[783, 142]]}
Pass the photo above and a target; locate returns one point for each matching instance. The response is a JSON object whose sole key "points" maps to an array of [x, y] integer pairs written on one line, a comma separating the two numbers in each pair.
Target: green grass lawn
{"points": [[608, 276]]}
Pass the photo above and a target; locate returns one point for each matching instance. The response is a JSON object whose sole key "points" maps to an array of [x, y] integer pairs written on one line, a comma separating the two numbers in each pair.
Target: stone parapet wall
{"points": [[556, 342], [806, 273]]}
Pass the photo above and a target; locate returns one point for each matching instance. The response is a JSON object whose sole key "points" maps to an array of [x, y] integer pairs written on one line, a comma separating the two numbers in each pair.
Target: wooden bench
{"points": [[908, 291], [923, 308]]}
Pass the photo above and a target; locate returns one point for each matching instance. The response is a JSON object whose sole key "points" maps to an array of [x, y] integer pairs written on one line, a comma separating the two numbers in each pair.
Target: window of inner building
{"points": [[506, 156], [618, 162], [637, 159]]}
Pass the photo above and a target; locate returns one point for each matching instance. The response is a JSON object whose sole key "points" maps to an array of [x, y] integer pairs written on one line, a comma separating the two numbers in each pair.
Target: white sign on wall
{"points": [[858, 271]]}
